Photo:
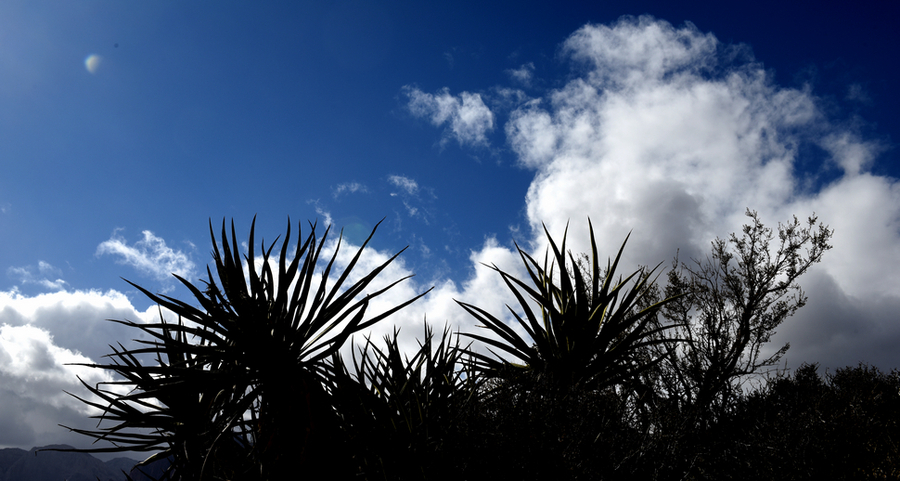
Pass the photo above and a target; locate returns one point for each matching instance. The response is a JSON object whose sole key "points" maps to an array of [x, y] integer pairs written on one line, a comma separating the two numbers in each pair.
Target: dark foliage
{"points": [[589, 332], [403, 416], [610, 382], [841, 426], [236, 390]]}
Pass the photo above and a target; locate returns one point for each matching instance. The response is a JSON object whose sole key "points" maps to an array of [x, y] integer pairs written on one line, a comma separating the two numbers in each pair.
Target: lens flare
{"points": [[92, 63]]}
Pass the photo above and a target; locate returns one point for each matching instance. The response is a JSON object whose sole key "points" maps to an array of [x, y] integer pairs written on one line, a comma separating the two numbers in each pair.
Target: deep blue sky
{"points": [[225, 110], [126, 126]]}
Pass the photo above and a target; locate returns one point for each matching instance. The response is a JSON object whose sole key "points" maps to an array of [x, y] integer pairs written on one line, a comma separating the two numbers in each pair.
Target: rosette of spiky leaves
{"points": [[406, 412], [180, 407], [252, 353], [589, 333]]}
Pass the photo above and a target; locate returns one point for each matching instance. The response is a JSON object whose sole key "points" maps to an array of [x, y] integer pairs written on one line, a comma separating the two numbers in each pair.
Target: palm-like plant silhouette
{"points": [[548, 391], [590, 332], [405, 413], [234, 389]]}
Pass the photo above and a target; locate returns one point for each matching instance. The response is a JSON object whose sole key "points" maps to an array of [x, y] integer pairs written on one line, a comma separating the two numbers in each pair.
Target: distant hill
{"points": [[7, 458], [40, 465]]}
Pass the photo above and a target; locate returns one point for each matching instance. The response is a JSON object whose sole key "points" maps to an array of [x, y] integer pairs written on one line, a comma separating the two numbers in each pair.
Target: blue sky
{"points": [[125, 127]]}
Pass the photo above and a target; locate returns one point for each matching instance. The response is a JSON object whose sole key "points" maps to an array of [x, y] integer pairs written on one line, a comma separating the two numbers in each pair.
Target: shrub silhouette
{"points": [[605, 384]]}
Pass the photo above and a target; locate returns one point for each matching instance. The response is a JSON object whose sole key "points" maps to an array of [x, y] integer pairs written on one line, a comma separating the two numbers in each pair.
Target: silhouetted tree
{"points": [[731, 305]]}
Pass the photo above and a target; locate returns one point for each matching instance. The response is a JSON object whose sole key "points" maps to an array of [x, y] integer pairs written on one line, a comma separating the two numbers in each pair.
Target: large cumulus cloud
{"points": [[43, 338], [46, 338], [668, 133], [653, 137]]}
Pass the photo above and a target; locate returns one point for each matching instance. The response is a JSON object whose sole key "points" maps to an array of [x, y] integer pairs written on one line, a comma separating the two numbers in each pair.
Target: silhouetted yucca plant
{"points": [[405, 412], [235, 389], [588, 333]]}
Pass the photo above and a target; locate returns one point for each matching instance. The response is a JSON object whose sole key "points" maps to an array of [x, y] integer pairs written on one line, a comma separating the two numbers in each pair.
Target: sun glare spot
{"points": [[92, 63]]}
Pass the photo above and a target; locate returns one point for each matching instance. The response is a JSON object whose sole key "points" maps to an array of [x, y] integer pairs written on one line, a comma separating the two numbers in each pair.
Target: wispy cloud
{"points": [[857, 92], [150, 255], [410, 193], [467, 118], [448, 57], [408, 185], [44, 275], [349, 188], [850, 153], [523, 74], [326, 215]]}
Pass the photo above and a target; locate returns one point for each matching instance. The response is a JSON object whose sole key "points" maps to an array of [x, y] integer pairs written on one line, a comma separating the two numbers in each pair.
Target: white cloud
{"points": [[468, 119], [523, 74], [349, 188], [79, 318], [634, 51], [410, 209], [42, 275], [505, 99], [40, 336], [409, 194], [864, 211], [149, 255], [660, 136], [439, 308], [448, 56], [850, 153], [37, 369], [858, 93], [410, 186], [326, 215]]}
